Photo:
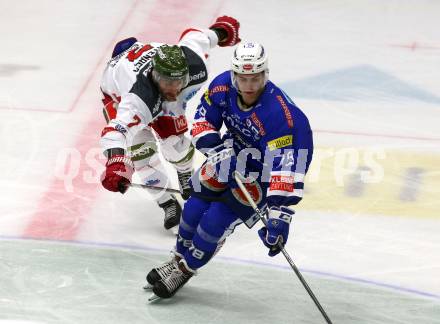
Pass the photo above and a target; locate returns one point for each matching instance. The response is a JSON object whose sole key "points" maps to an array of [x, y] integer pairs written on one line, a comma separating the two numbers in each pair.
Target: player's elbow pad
{"points": [[205, 143]]}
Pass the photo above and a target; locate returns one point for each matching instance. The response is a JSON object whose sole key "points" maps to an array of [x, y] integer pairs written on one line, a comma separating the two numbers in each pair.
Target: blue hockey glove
{"points": [[277, 229]]}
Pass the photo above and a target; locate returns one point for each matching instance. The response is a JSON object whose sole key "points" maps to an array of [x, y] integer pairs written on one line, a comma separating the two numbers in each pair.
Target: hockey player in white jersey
{"points": [[146, 88]]}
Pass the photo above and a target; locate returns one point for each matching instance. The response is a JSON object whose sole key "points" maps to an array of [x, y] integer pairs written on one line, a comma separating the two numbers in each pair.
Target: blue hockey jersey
{"points": [[274, 127]]}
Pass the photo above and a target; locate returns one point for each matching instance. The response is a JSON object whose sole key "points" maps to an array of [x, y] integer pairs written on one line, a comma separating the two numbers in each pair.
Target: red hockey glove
{"points": [[117, 176], [229, 26]]}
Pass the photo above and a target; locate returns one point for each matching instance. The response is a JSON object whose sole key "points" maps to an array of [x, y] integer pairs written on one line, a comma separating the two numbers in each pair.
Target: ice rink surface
{"points": [[366, 235]]}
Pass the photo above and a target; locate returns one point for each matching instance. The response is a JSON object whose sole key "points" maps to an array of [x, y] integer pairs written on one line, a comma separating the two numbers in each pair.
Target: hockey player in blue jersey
{"points": [[268, 140]]}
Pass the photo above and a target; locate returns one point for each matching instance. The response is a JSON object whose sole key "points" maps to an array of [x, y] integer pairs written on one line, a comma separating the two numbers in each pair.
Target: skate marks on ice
{"points": [[54, 282]]}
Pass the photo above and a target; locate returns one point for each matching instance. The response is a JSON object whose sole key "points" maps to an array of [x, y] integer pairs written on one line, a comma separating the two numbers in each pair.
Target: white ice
{"points": [[366, 235]]}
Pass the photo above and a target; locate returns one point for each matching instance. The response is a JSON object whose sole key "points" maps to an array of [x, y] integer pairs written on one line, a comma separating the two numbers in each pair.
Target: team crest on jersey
{"points": [[244, 127], [255, 191]]}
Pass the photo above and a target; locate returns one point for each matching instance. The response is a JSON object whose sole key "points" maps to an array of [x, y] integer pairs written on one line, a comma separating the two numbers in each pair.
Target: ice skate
{"points": [[173, 211], [185, 188], [148, 287], [167, 287], [160, 272]]}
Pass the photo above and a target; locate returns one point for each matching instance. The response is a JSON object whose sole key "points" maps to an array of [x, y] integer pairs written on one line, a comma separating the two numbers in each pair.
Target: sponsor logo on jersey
{"points": [[286, 111], [195, 77], [180, 124], [280, 142], [188, 97], [282, 183], [120, 128], [219, 88], [200, 127], [141, 151], [240, 142], [259, 124], [156, 107], [116, 59], [152, 182]]}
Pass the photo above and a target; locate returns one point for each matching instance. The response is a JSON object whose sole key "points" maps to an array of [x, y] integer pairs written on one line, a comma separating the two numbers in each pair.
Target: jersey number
{"points": [[136, 53]]}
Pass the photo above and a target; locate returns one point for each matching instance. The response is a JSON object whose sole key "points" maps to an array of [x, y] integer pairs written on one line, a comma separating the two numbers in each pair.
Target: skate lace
{"points": [[170, 209], [176, 279], [184, 179], [166, 268]]}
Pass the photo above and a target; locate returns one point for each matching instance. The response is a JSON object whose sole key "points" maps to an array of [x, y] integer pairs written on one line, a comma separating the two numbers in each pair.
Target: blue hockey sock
{"points": [[193, 210]]}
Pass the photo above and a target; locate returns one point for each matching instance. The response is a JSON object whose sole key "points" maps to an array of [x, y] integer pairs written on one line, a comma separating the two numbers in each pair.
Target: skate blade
{"points": [[148, 287], [174, 230], [153, 297]]}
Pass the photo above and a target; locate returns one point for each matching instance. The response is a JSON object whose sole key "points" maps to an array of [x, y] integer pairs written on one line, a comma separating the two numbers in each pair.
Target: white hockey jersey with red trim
{"points": [[127, 80]]}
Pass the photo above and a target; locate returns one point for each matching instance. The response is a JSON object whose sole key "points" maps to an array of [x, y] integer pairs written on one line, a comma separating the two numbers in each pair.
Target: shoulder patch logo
{"points": [[280, 142]]}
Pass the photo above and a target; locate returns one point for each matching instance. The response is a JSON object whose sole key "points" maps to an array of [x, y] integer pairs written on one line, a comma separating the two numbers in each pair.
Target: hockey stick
{"points": [[145, 186], [239, 178]]}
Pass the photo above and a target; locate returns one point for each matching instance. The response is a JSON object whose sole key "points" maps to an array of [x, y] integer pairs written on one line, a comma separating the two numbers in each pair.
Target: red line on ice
{"points": [[60, 214]]}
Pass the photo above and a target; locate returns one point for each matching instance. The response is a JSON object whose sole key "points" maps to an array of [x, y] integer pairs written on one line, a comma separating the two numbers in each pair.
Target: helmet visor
{"points": [[171, 81]]}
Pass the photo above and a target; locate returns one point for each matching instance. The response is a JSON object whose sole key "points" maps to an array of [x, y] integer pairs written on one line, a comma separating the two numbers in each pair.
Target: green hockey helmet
{"points": [[169, 63]]}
